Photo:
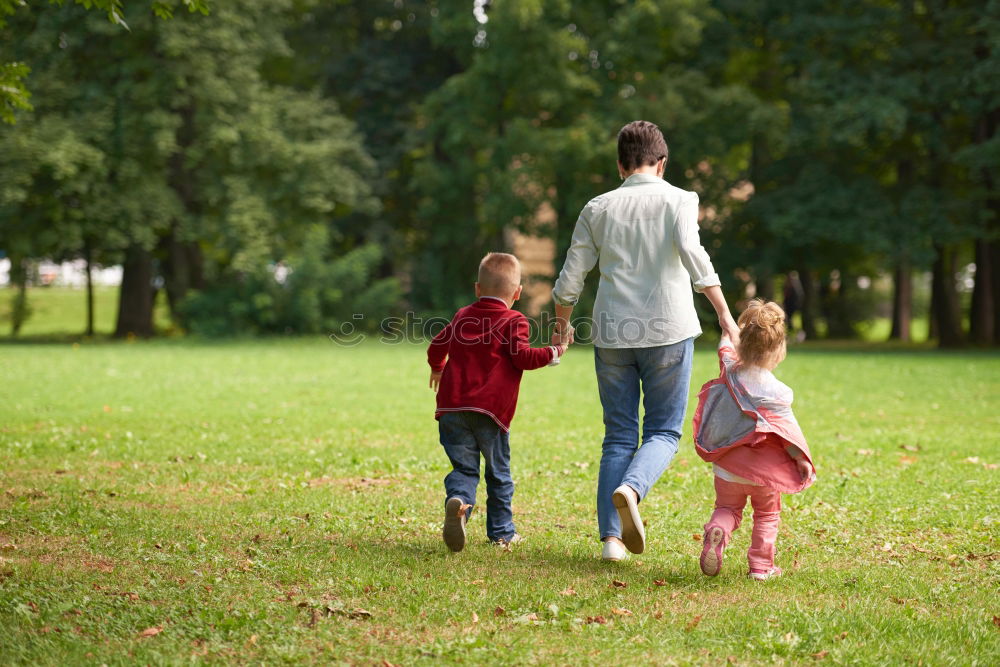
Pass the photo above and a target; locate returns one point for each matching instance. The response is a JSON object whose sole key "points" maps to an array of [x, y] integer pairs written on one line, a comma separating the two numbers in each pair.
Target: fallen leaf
{"points": [[476, 582], [910, 448], [996, 621], [568, 591], [620, 611], [971, 459], [151, 632], [865, 452], [619, 584], [696, 537], [475, 617], [820, 655], [693, 623], [313, 616], [907, 460], [600, 620], [658, 614], [499, 611], [842, 636], [659, 582]]}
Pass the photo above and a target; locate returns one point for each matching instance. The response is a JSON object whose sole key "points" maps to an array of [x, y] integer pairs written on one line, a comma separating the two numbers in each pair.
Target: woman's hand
{"points": [[730, 328]]}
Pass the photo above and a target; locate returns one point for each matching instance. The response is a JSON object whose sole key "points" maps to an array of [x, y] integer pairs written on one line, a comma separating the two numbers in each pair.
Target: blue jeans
{"points": [[466, 435], [664, 374]]}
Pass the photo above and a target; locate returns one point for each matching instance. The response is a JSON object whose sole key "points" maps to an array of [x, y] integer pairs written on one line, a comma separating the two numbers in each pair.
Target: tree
{"points": [[14, 95], [201, 155]]}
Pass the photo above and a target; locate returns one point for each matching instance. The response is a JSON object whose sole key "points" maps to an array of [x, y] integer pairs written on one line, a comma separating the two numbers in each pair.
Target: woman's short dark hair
{"points": [[640, 144]]}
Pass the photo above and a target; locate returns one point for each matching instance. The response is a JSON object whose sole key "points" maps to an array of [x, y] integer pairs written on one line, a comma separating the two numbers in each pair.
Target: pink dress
{"points": [[743, 423]]}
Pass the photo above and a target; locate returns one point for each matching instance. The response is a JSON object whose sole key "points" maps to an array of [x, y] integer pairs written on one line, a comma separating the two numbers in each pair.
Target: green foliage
{"points": [[13, 94], [319, 294]]}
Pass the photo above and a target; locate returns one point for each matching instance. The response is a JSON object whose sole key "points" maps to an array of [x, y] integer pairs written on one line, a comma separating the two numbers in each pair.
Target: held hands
{"points": [[435, 380], [730, 328], [563, 338]]}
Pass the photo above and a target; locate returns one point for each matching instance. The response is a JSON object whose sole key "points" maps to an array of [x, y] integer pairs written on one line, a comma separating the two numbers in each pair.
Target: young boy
{"points": [[476, 364]]}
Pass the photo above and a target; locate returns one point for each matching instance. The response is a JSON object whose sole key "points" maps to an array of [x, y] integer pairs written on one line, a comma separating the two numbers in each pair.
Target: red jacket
{"points": [[483, 351]]}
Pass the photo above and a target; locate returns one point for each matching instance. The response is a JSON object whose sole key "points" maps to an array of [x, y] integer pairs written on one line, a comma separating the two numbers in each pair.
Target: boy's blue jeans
{"points": [[664, 375], [466, 435]]}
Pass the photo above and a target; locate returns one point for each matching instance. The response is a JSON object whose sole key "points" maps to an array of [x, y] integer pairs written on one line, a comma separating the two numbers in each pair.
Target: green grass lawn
{"points": [[173, 501], [60, 312]]}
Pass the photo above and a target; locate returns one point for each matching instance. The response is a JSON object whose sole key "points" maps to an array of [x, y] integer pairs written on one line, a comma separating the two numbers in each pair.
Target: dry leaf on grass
{"points": [[618, 584], [475, 617], [820, 655], [620, 611], [568, 591], [151, 632], [693, 623], [499, 611], [696, 537], [910, 448], [659, 582], [996, 621], [600, 620]]}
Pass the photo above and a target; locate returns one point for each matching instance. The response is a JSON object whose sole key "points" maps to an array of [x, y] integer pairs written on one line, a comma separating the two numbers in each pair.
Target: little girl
{"points": [[744, 426]]}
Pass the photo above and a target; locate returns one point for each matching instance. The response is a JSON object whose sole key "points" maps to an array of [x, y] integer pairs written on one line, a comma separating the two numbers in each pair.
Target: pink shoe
{"points": [[711, 551], [764, 575]]}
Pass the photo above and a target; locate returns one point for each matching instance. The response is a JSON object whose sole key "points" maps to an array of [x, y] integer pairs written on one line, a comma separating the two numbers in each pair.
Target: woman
{"points": [[644, 237]]}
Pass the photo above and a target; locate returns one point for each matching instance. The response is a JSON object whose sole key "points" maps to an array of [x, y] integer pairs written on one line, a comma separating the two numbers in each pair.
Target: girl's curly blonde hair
{"points": [[762, 334]]}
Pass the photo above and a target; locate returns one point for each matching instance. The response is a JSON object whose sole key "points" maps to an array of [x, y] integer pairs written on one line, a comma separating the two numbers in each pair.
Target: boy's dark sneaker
{"points": [[516, 538], [454, 524], [711, 550]]}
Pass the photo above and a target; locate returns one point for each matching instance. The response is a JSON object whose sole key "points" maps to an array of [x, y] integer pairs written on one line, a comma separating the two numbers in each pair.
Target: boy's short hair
{"points": [[641, 144], [762, 334], [499, 274]]}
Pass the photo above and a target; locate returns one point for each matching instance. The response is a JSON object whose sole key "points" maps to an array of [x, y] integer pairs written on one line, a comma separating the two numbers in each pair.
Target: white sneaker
{"points": [[633, 532], [764, 575], [613, 552]]}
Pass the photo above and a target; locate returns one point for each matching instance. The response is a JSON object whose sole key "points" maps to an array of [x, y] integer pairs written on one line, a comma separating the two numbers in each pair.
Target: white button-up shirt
{"points": [[644, 238]]}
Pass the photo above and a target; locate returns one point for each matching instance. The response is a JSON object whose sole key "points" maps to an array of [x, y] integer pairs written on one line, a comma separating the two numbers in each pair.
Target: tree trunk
{"points": [[945, 318], [995, 265], [135, 301], [176, 272], [87, 258], [808, 302], [19, 302], [902, 301], [765, 285], [982, 317]]}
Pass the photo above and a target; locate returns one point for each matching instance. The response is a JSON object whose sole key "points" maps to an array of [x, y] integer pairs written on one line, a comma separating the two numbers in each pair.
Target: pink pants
{"points": [[730, 499]]}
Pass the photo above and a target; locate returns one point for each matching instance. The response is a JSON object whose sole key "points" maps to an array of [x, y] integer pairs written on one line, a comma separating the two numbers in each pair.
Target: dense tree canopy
{"points": [[375, 148]]}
